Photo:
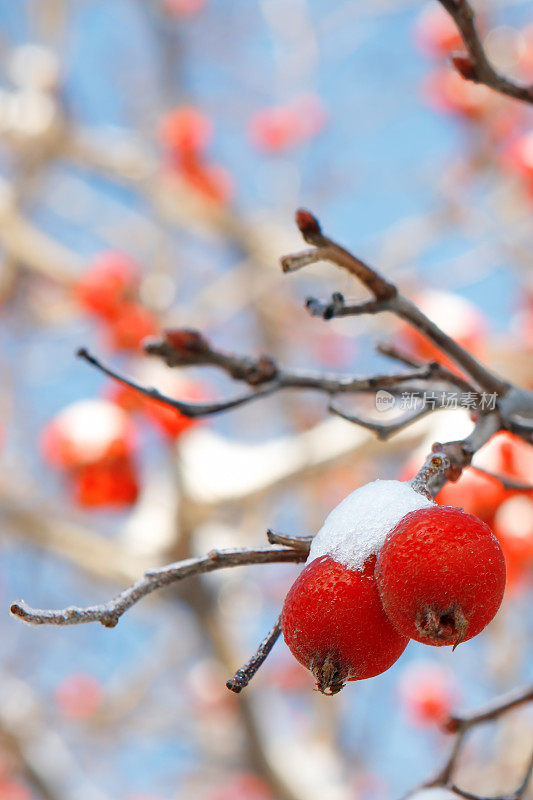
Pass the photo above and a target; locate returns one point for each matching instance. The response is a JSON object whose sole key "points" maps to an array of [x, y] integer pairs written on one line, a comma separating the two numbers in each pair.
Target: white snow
{"points": [[91, 426], [358, 526]]}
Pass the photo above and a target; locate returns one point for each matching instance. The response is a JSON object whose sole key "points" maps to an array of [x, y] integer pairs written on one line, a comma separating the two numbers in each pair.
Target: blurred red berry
{"points": [[79, 696], [457, 317], [280, 128], [517, 157], [428, 692], [186, 131], [245, 786], [131, 324], [480, 494], [169, 421], [436, 34], [107, 282], [212, 181], [184, 8], [446, 90], [274, 130], [11, 789], [88, 432], [106, 484], [513, 526]]}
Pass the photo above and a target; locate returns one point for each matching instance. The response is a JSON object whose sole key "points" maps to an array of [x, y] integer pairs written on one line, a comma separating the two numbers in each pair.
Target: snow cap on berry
{"points": [[358, 526]]}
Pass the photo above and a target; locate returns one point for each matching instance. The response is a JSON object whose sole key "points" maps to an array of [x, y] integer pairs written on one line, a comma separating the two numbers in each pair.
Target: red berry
{"points": [[274, 130], [131, 324], [106, 283], [441, 575], [334, 624], [436, 34], [186, 131], [79, 696], [513, 526], [88, 432], [446, 90], [457, 317], [427, 692], [183, 7], [211, 181], [106, 484]]}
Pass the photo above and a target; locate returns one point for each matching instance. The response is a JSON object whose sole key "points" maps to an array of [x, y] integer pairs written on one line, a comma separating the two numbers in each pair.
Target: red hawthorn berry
{"points": [[436, 34], [275, 130], [11, 789], [505, 454], [212, 181], [457, 317], [427, 692], [111, 484], [186, 131], [446, 90], [334, 624], [440, 575], [107, 282], [79, 696], [513, 527], [88, 432], [131, 324], [183, 8]]}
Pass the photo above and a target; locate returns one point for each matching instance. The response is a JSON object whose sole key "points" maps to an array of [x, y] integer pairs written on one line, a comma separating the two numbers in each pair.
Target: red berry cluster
{"points": [[108, 290], [438, 577]]}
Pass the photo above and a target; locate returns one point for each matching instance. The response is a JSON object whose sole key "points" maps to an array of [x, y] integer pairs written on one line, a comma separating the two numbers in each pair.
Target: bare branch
{"points": [[500, 705], [461, 724], [192, 410], [303, 542], [109, 613], [383, 431], [389, 299], [255, 372], [244, 675], [475, 66]]}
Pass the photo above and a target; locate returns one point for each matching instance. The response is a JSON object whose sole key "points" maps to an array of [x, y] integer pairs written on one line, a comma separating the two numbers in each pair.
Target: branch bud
{"points": [[465, 66]]}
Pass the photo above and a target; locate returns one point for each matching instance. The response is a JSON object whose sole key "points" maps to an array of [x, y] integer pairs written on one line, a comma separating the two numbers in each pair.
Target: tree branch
{"points": [[476, 67], [252, 372], [387, 298], [461, 724], [109, 613], [244, 675]]}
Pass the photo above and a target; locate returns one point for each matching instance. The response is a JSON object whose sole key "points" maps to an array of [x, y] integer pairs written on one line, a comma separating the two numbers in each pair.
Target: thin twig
{"points": [[328, 384], [303, 542], [109, 613], [461, 724], [383, 430], [476, 66], [389, 299], [244, 675]]}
